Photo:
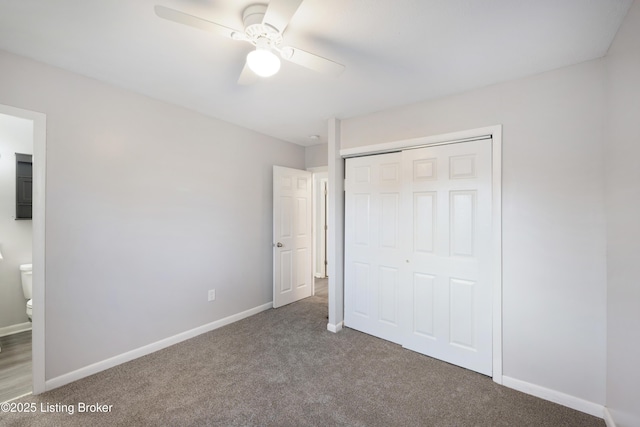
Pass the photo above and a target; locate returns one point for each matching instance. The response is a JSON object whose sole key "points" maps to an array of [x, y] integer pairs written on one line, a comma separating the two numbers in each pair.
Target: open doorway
{"points": [[23, 134], [320, 198], [320, 230], [16, 150]]}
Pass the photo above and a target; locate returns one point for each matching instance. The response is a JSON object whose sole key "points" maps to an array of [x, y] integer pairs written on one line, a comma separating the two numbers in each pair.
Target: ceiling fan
{"points": [[264, 26]]}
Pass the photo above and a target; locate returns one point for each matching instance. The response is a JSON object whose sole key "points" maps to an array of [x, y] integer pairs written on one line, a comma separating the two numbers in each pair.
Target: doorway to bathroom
{"points": [[22, 138], [320, 198]]}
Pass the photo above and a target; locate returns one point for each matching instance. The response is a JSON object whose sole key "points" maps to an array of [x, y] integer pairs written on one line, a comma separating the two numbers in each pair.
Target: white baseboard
{"points": [[497, 378], [555, 396], [335, 328], [14, 329], [608, 419], [150, 348]]}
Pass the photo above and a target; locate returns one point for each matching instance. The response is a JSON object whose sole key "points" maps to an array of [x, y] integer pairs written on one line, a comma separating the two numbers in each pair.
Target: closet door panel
{"points": [[373, 259], [452, 246]]}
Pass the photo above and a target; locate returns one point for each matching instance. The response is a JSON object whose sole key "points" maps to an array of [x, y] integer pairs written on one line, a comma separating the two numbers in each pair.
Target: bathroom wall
{"points": [[16, 136], [148, 206]]}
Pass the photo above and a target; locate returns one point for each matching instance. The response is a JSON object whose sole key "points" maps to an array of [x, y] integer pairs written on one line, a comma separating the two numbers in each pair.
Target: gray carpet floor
{"points": [[283, 368]]}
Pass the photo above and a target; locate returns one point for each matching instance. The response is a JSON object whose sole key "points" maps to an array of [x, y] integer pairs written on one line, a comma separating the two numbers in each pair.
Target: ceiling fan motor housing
{"points": [[255, 29], [265, 36]]}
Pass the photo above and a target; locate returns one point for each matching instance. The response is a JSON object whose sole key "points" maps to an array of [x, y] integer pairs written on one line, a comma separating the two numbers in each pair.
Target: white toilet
{"points": [[27, 283]]}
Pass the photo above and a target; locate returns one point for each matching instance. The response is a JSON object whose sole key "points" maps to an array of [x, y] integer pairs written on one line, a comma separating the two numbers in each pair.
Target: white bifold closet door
{"points": [[418, 250], [374, 253]]}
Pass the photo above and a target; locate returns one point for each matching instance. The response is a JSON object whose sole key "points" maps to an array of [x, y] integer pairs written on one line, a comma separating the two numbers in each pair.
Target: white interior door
{"points": [[292, 233], [418, 250]]}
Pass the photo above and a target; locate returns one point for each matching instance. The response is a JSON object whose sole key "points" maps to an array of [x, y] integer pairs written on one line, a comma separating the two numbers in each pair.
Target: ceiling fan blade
{"points": [[247, 77], [194, 21], [280, 12], [311, 61]]}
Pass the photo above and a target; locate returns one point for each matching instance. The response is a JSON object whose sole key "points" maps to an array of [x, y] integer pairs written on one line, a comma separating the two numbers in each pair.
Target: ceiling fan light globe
{"points": [[263, 62]]}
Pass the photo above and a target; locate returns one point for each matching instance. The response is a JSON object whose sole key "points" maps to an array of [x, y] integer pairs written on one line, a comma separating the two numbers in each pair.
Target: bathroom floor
{"points": [[15, 365]]}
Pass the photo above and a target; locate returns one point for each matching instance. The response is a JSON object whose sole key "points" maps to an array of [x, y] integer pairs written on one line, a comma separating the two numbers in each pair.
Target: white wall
{"points": [[554, 271], [148, 206], [16, 136], [622, 144]]}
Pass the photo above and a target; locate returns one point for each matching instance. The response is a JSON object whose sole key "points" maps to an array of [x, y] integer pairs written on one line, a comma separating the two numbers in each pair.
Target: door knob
{"points": [[279, 245]]}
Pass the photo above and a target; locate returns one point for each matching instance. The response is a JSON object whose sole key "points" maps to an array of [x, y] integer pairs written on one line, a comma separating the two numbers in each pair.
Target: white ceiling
{"points": [[396, 52]]}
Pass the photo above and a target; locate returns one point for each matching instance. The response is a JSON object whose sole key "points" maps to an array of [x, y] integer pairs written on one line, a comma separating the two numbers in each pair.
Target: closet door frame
{"points": [[336, 287]]}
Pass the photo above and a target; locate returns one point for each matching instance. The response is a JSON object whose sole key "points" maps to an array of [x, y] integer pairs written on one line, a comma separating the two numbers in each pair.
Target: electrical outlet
{"points": [[212, 294]]}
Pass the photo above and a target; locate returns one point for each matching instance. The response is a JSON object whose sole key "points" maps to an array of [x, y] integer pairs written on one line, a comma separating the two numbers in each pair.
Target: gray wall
{"points": [[622, 144], [148, 206], [16, 136], [317, 156], [554, 269]]}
